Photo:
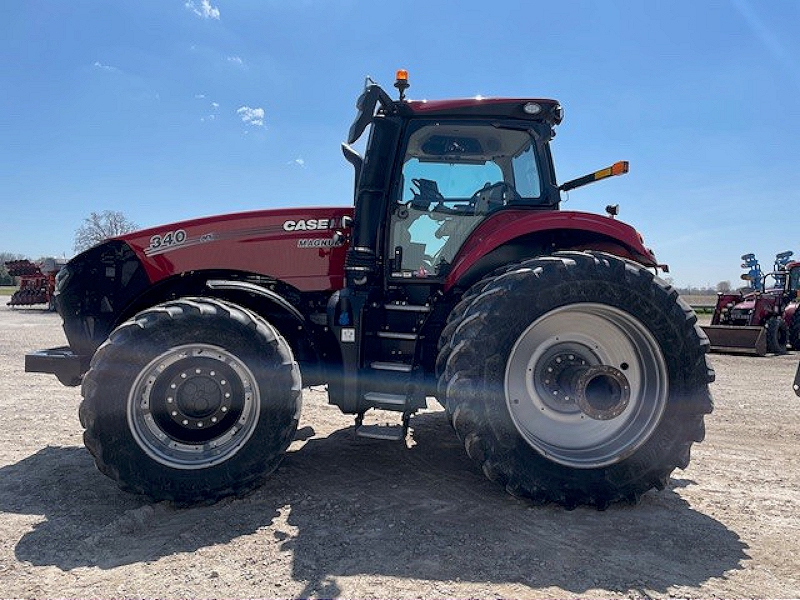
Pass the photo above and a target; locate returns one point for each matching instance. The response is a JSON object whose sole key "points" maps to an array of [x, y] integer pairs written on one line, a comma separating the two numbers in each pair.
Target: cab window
{"points": [[454, 175]]}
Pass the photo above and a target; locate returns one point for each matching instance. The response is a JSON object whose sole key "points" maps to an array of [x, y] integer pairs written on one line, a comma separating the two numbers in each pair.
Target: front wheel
{"points": [[577, 379], [777, 335], [191, 400]]}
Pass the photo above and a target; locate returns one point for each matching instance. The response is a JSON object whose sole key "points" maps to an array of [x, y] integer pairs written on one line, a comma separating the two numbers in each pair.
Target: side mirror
{"points": [[366, 104]]}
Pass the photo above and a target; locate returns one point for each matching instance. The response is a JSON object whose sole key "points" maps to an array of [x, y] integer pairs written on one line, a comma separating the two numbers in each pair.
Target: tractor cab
{"points": [[794, 277], [446, 192], [436, 171], [452, 177]]}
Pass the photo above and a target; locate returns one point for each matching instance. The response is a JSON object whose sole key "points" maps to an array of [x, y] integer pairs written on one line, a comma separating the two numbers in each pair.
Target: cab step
{"points": [[405, 307], [382, 432], [391, 366], [387, 401], [397, 335], [387, 431]]}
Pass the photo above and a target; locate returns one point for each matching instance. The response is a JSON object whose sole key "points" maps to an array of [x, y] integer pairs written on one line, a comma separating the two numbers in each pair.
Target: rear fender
{"points": [[519, 234], [517, 237]]}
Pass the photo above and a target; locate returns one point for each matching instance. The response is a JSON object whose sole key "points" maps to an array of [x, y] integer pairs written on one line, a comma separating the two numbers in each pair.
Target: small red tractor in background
{"points": [[760, 319], [37, 282], [569, 371]]}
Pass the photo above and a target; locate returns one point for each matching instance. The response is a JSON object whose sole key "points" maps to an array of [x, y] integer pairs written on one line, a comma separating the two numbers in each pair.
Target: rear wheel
{"points": [[191, 400], [453, 322], [577, 379]]}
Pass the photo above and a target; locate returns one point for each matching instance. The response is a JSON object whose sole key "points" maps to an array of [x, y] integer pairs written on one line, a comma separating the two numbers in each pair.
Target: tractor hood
{"points": [[747, 305], [297, 246]]}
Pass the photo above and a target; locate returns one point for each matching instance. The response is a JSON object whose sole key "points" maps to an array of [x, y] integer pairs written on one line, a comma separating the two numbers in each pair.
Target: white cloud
{"points": [[101, 66], [299, 162], [235, 60], [215, 105], [199, 96], [203, 9], [251, 116]]}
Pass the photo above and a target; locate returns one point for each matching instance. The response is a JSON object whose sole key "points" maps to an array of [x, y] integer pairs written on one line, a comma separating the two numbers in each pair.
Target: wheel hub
{"points": [[602, 392], [198, 397], [586, 384], [193, 406], [556, 379], [198, 394], [570, 383]]}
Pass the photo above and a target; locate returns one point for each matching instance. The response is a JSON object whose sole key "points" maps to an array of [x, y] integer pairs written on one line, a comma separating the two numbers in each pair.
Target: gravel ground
{"points": [[370, 519]]}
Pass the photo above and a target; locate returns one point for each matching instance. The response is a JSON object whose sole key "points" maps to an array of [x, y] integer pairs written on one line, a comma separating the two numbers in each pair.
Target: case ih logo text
{"points": [[307, 224]]}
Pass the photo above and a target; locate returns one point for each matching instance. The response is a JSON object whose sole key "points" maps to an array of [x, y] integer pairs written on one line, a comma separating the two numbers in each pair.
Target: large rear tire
{"points": [[190, 401], [578, 378]]}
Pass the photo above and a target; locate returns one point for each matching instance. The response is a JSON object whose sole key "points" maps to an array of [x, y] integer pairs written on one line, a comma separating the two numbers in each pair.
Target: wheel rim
{"points": [[586, 385], [193, 407]]}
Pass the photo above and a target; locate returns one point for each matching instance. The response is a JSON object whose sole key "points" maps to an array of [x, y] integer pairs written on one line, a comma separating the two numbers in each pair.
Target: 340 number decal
{"points": [[166, 240]]}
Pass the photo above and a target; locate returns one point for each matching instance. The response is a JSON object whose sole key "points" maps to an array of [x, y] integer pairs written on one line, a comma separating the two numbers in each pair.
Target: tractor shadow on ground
{"points": [[348, 507]]}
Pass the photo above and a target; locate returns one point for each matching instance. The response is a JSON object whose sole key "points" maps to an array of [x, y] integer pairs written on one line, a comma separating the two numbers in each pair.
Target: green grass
{"points": [[7, 290]]}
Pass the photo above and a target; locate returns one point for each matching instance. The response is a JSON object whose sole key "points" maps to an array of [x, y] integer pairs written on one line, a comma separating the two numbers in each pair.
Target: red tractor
{"points": [[569, 371], [762, 319]]}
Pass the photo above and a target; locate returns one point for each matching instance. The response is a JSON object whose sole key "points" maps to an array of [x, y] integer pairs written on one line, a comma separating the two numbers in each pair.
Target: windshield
{"points": [[462, 160], [453, 176], [453, 180]]}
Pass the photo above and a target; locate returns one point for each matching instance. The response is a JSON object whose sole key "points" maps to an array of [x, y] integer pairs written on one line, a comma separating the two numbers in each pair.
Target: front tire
{"points": [[190, 401], [577, 379], [777, 335]]}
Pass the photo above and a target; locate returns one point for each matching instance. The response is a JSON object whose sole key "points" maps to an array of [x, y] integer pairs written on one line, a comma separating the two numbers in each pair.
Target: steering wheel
{"points": [[427, 192], [493, 196]]}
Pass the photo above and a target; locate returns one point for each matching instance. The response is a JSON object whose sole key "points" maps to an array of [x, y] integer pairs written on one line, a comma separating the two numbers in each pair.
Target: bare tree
{"points": [[724, 286], [5, 278], [98, 227]]}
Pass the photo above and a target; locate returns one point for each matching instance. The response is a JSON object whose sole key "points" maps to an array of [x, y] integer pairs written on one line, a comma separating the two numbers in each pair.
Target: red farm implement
{"points": [[37, 281]]}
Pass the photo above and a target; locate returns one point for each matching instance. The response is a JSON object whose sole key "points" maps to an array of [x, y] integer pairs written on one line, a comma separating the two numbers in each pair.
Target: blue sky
{"points": [[169, 109]]}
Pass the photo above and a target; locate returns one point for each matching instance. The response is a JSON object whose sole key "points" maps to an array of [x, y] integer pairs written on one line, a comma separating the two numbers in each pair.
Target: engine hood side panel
{"points": [[296, 246]]}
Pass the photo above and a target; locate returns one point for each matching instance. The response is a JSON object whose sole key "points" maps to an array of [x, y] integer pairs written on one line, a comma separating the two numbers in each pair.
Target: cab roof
{"points": [[531, 109]]}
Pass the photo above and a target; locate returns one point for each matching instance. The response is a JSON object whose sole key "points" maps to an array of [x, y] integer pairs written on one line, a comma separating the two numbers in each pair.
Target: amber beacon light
{"points": [[401, 82]]}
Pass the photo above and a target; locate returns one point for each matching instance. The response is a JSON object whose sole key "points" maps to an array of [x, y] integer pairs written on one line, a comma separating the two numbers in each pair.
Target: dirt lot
{"points": [[355, 518]]}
